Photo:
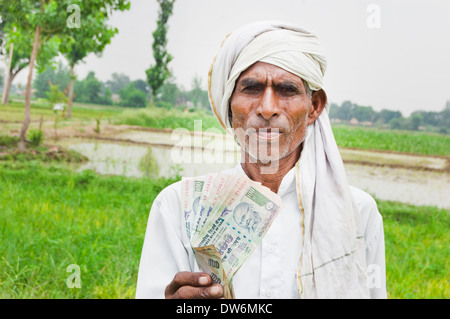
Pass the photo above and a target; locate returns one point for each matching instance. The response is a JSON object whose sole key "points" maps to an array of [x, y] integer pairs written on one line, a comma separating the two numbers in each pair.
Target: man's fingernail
{"points": [[203, 280], [215, 290]]}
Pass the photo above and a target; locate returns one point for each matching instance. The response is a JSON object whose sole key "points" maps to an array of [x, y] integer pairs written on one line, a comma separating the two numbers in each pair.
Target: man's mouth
{"points": [[268, 134]]}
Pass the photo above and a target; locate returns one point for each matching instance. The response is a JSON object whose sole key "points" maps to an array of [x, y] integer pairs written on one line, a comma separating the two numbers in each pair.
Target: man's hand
{"points": [[193, 285]]}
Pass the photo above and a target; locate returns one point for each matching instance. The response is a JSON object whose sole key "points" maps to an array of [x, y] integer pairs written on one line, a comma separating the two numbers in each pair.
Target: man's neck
{"points": [[265, 174]]}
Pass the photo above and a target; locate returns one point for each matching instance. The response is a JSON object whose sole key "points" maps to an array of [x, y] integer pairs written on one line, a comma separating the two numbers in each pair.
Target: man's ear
{"points": [[319, 101]]}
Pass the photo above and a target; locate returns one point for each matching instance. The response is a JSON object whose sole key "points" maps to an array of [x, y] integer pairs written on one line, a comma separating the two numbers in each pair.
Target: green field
{"points": [[417, 252], [169, 119], [393, 140], [52, 217], [14, 111]]}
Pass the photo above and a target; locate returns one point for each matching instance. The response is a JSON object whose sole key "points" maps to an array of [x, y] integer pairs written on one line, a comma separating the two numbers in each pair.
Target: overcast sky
{"points": [[392, 54]]}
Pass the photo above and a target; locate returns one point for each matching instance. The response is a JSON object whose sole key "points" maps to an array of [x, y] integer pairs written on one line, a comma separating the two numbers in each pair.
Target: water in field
{"points": [[400, 184], [164, 154], [156, 159]]}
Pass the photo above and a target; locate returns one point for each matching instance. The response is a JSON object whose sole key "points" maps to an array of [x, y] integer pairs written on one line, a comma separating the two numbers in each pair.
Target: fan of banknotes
{"points": [[226, 217]]}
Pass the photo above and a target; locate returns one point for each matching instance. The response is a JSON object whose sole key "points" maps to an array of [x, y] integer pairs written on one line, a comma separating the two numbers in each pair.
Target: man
{"points": [[266, 85]]}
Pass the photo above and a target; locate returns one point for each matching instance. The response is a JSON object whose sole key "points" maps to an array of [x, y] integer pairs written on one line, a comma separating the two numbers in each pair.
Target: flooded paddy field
{"points": [[417, 187]]}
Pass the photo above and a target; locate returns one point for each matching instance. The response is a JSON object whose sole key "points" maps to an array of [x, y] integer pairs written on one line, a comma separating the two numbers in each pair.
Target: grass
{"points": [[81, 113], [393, 140], [14, 112], [36, 153], [170, 119], [52, 217], [147, 117], [417, 252]]}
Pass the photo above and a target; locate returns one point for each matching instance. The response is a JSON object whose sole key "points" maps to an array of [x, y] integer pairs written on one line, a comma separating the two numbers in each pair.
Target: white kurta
{"points": [[271, 271]]}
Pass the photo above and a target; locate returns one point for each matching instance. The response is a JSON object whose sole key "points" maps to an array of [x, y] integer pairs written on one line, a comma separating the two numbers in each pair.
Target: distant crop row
{"points": [[393, 140]]}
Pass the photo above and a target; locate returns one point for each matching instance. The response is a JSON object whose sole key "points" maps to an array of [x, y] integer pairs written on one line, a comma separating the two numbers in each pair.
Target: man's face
{"points": [[271, 111], [246, 217]]}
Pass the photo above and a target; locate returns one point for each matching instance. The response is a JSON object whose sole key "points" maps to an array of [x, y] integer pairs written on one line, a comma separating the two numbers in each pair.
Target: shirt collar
{"points": [[287, 184]]}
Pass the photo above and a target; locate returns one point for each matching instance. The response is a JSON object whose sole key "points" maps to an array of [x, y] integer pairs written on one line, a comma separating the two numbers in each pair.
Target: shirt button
{"points": [[269, 293], [271, 249]]}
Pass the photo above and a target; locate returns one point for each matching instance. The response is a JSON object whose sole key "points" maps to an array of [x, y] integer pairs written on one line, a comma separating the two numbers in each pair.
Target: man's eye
{"points": [[287, 90], [251, 89]]}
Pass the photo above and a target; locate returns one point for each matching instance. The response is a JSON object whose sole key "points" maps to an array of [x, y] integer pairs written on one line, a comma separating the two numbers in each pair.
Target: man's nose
{"points": [[268, 106]]}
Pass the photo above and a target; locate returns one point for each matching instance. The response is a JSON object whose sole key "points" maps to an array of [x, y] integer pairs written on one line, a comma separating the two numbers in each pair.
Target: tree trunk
{"points": [[8, 79], [71, 84], [26, 121], [7, 88]]}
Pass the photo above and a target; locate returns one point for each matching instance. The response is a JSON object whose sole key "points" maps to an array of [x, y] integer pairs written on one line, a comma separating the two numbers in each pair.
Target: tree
{"points": [[346, 111], [58, 76], [198, 96], [428, 118], [91, 90], [19, 46], [334, 111], [444, 121], [55, 95], [131, 96], [46, 19], [168, 93], [415, 121], [142, 86], [118, 82], [92, 37], [385, 116], [6, 20], [159, 72], [395, 123], [364, 113], [2, 26]]}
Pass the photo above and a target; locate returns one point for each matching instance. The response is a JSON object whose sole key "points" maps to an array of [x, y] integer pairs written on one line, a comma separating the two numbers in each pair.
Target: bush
{"points": [[132, 97], [90, 90], [36, 137], [55, 95], [164, 105], [136, 99]]}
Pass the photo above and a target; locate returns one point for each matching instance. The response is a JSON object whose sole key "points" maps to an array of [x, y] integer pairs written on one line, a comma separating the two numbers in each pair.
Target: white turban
{"points": [[332, 261]]}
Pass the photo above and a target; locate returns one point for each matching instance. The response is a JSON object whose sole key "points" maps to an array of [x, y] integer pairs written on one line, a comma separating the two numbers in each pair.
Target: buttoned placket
{"points": [[272, 283]]}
